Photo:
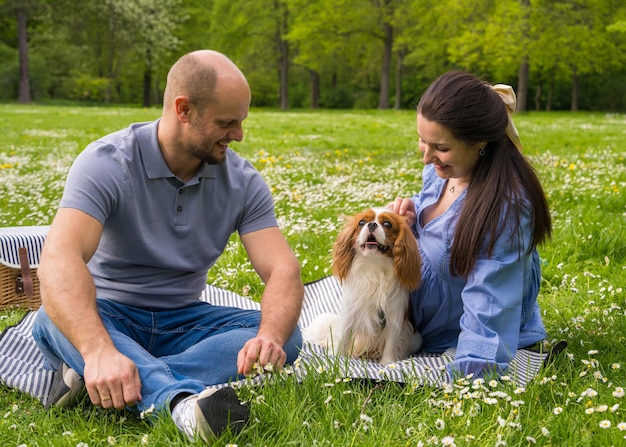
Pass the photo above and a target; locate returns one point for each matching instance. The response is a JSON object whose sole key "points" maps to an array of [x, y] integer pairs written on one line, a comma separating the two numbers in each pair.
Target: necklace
{"points": [[452, 188]]}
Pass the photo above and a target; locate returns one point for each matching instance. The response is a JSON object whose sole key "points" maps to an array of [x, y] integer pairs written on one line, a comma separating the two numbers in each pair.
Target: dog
{"points": [[377, 261]]}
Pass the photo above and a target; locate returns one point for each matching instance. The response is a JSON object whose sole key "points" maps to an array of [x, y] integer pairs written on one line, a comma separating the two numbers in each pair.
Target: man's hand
{"points": [[112, 380], [281, 302], [261, 351]]}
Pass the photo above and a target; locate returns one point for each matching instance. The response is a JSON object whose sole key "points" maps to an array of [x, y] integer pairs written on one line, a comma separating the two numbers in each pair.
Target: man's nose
{"points": [[237, 133]]}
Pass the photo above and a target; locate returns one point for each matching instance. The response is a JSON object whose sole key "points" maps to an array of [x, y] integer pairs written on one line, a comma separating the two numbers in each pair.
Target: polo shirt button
{"points": [[179, 209]]}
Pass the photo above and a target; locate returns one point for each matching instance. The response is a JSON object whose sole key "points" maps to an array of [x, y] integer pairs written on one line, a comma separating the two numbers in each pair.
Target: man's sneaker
{"points": [[210, 413], [67, 387]]}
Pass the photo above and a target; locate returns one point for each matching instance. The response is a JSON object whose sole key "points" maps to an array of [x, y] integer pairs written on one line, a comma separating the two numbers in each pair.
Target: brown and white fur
{"points": [[376, 260]]}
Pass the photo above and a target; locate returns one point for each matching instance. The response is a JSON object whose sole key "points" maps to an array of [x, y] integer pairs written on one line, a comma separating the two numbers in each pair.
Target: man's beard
{"points": [[208, 157]]}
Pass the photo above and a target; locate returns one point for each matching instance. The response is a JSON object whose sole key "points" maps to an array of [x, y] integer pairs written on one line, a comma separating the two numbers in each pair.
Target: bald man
{"points": [[145, 213]]}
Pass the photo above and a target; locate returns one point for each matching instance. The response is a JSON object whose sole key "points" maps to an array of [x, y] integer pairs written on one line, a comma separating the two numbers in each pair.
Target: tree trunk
{"points": [[524, 68], [385, 75], [147, 79], [522, 85], [22, 44], [574, 107], [315, 89], [538, 97], [283, 75], [147, 91], [398, 102], [282, 47], [550, 95]]}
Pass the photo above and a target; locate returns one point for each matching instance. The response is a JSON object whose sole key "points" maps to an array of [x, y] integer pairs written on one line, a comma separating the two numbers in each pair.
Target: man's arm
{"points": [[68, 296], [281, 303]]}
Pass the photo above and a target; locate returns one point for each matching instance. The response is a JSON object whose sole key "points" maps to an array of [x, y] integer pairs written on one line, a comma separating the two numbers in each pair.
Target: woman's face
{"points": [[452, 158]]}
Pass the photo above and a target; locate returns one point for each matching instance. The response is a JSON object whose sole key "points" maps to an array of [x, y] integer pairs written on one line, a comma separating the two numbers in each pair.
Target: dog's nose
{"points": [[372, 226]]}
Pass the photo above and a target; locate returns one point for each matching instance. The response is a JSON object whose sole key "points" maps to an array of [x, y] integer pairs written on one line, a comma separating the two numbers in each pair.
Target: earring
{"points": [[481, 152]]}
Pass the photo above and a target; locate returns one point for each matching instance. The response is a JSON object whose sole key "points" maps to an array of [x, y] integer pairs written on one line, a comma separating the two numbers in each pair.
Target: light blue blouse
{"points": [[491, 314]]}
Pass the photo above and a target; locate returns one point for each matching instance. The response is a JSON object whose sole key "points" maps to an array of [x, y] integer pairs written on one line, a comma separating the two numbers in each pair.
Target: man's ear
{"points": [[183, 108]]}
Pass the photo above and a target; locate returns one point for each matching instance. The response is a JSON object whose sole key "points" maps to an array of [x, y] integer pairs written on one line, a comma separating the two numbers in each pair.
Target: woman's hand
{"points": [[404, 207]]}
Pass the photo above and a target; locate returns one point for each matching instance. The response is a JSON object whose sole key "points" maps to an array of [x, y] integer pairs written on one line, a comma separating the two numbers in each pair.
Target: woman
{"points": [[479, 217]]}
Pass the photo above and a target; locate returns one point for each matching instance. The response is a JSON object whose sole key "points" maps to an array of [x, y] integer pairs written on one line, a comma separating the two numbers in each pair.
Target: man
{"points": [[145, 213]]}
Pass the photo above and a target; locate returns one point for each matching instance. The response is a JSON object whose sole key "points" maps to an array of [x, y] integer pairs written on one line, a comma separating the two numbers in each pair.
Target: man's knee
{"points": [[294, 345]]}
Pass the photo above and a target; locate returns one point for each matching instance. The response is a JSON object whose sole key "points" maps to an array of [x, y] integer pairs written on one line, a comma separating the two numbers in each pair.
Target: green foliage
{"points": [[85, 88], [279, 43], [8, 73]]}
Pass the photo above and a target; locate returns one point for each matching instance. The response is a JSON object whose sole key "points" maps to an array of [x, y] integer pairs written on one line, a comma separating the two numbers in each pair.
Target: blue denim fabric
{"points": [[176, 351]]}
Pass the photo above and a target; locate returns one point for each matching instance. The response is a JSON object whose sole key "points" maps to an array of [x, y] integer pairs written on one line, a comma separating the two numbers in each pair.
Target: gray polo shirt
{"points": [[160, 235]]}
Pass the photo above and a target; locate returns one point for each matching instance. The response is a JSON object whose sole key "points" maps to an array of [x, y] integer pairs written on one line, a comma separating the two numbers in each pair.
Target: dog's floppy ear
{"points": [[406, 258], [343, 250]]}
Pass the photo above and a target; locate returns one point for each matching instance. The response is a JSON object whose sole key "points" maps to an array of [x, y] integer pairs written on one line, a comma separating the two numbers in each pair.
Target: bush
{"points": [[9, 73], [86, 88]]}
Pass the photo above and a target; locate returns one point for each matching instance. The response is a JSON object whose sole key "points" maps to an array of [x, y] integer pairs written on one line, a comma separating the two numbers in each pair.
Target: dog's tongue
{"points": [[370, 244]]}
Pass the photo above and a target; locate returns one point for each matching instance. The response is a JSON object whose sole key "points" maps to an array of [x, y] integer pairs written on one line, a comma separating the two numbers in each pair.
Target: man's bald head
{"points": [[196, 76]]}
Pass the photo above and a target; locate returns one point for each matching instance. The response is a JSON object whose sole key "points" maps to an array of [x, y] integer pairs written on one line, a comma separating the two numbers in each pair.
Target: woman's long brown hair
{"points": [[502, 179]]}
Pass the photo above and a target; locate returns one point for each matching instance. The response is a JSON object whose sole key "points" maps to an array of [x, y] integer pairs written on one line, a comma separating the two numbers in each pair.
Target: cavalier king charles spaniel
{"points": [[376, 260]]}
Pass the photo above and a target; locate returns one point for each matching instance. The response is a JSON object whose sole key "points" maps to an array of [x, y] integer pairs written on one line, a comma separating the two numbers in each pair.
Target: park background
{"points": [[563, 56], [557, 54]]}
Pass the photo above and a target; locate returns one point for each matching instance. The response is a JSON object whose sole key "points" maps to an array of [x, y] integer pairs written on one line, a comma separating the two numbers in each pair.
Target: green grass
{"points": [[320, 165]]}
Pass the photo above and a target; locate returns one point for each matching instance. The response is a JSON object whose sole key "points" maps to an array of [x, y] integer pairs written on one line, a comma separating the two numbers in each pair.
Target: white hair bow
{"points": [[508, 97]]}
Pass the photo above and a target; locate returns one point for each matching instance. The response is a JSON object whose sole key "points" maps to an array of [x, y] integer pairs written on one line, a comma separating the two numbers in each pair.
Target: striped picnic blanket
{"points": [[22, 366]]}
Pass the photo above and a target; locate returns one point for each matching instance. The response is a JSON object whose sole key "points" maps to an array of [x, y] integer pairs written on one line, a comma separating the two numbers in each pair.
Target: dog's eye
{"points": [[361, 222], [387, 224]]}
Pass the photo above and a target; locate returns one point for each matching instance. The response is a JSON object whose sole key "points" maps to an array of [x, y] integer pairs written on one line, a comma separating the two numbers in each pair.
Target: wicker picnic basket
{"points": [[20, 248]]}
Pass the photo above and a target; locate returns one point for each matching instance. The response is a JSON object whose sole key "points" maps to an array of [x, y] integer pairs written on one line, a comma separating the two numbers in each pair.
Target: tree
{"points": [[20, 10], [418, 55], [326, 53], [155, 37], [493, 39], [320, 39], [324, 40], [22, 45], [256, 36], [572, 40]]}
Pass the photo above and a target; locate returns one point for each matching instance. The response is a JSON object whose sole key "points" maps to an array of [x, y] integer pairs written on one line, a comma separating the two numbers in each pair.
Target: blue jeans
{"points": [[176, 351]]}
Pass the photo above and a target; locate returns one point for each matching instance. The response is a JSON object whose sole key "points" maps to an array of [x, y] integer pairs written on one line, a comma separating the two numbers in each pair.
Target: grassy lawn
{"points": [[320, 165]]}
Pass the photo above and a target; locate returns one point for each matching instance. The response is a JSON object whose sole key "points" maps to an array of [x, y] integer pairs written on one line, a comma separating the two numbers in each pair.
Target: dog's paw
{"points": [[385, 360], [320, 331]]}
